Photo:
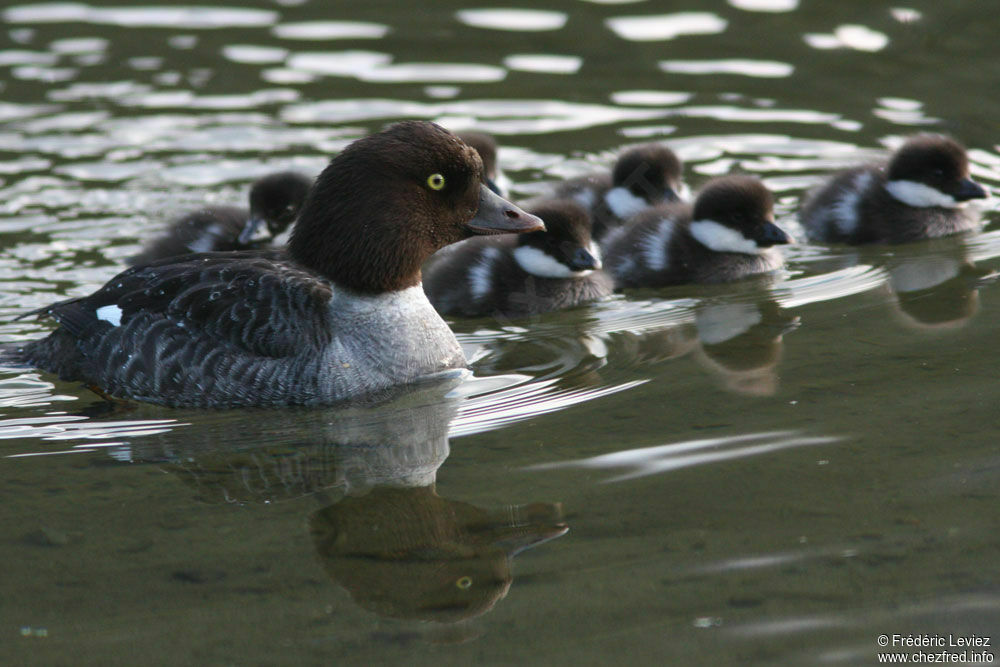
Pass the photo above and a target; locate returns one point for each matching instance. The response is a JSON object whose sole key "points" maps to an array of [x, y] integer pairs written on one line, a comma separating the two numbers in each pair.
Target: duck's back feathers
{"points": [[173, 327], [269, 308]]}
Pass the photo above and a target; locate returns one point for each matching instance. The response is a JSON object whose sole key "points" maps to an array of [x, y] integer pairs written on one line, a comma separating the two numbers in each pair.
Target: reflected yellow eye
{"points": [[435, 182], [464, 583]]}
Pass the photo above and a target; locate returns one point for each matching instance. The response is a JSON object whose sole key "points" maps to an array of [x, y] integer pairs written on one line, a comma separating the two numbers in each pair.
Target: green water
{"points": [[776, 472]]}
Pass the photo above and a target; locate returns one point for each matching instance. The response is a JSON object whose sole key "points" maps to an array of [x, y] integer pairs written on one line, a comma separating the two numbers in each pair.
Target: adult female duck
{"points": [[340, 314]]}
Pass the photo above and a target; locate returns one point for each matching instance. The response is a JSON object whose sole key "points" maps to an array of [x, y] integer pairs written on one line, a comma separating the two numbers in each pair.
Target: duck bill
{"points": [[772, 235], [583, 260], [969, 189], [496, 215], [251, 230]]}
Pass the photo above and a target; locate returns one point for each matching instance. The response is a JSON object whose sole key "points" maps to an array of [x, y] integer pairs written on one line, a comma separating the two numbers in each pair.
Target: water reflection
{"points": [[383, 533], [936, 292], [408, 553], [739, 339], [932, 284]]}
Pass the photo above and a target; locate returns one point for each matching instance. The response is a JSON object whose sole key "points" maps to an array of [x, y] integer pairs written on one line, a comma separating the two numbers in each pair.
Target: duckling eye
{"points": [[435, 182], [464, 583]]}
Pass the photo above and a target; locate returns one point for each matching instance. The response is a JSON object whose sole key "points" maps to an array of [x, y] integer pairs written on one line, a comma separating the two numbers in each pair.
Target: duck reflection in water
{"points": [[384, 534], [409, 553], [936, 288], [738, 336], [931, 285]]}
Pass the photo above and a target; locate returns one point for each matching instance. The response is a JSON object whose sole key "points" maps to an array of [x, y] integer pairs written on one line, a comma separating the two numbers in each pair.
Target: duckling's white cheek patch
{"points": [[111, 314], [623, 203], [537, 263], [720, 238], [916, 194]]}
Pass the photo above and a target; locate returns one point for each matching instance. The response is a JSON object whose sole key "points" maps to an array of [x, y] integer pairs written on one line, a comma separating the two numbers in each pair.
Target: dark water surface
{"points": [[775, 472]]}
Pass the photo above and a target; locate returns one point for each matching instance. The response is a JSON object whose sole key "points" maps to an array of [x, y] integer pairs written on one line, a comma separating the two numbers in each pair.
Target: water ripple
{"points": [[765, 5], [857, 37], [21, 57], [497, 409], [141, 17], [827, 286], [768, 69], [666, 26], [324, 30], [665, 458], [254, 55], [501, 117], [661, 98], [518, 20], [433, 73], [545, 63], [338, 63]]}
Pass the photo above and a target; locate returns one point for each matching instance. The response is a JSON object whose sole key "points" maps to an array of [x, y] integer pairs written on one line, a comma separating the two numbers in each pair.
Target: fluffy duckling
{"points": [[920, 194], [727, 234]]}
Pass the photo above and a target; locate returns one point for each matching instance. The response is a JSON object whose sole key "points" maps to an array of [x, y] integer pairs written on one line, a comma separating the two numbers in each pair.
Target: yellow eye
{"points": [[464, 583], [435, 182]]}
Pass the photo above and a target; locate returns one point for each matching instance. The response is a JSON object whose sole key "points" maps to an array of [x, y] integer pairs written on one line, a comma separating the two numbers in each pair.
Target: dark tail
{"points": [[56, 353]]}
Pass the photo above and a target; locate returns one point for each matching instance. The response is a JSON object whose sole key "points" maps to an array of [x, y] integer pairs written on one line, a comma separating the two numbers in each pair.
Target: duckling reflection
{"points": [[933, 284], [742, 343], [936, 290], [409, 553], [383, 534], [738, 337]]}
